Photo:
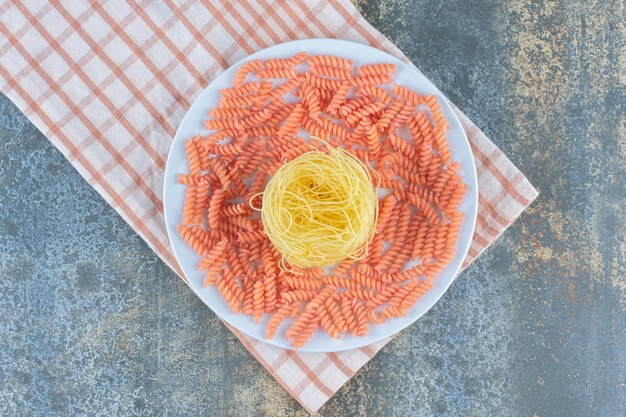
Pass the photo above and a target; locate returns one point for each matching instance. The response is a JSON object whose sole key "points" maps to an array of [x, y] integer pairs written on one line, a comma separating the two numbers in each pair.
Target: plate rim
{"points": [[463, 250]]}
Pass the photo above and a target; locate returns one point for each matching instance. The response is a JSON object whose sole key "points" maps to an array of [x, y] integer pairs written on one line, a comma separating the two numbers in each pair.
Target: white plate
{"points": [[174, 193]]}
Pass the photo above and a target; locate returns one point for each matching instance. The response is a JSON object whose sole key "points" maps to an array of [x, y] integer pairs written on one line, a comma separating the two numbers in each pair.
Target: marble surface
{"points": [[92, 323]]}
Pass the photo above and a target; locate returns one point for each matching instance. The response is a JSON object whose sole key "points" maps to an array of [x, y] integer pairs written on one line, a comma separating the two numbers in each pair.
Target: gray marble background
{"points": [[92, 323]]}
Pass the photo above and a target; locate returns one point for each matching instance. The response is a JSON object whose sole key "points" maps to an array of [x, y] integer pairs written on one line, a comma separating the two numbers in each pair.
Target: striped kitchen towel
{"points": [[108, 83]]}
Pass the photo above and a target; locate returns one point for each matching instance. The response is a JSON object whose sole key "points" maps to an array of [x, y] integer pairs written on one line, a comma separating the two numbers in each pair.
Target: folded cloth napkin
{"points": [[109, 83]]}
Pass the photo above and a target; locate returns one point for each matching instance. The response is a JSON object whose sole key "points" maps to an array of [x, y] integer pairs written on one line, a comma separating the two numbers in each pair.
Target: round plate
{"points": [[174, 194]]}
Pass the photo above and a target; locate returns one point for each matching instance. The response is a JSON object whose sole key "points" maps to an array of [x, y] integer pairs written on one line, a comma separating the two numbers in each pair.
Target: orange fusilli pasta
{"points": [[400, 136]]}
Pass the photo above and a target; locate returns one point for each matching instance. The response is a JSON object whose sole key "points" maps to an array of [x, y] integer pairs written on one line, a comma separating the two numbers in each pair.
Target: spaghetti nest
{"points": [[320, 208]]}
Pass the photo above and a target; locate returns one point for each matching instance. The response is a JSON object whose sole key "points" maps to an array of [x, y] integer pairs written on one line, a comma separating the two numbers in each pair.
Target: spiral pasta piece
{"points": [[434, 168], [216, 137], [197, 238], [342, 267], [452, 202], [383, 297], [250, 237], [372, 79], [254, 163], [304, 320], [215, 208], [417, 271], [247, 305], [415, 294], [200, 201], [402, 145], [189, 206], [234, 209], [335, 72], [373, 91], [400, 237], [421, 129], [445, 177], [293, 61], [238, 102], [368, 280], [354, 294], [311, 101], [325, 96], [425, 208], [326, 322], [190, 180], [407, 94], [213, 274], [323, 83], [349, 317], [241, 90], [401, 117], [390, 112], [303, 283], [361, 328], [230, 149], [373, 142], [352, 105], [377, 69], [333, 128], [256, 119], [370, 108], [441, 123], [258, 301], [230, 291], [193, 157], [245, 69], [281, 314], [386, 211], [292, 122], [235, 266], [259, 131], [269, 293], [227, 113], [279, 115], [306, 333], [341, 282], [276, 73], [292, 296], [285, 88], [330, 61]]}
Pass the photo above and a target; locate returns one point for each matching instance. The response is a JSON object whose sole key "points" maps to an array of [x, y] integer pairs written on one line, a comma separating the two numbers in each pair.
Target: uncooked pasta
{"points": [[323, 251], [320, 208]]}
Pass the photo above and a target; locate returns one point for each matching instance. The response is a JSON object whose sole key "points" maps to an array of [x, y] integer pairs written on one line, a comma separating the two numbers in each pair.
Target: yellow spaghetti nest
{"points": [[320, 208]]}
